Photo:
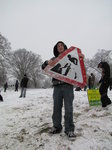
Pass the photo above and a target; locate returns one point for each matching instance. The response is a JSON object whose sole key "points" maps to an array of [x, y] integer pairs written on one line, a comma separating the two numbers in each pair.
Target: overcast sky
{"points": [[38, 25]]}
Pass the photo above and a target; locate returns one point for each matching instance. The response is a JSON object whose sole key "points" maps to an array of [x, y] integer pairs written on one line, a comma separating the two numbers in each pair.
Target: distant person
{"points": [[16, 85], [1, 98], [105, 83], [92, 82], [24, 83], [5, 87]]}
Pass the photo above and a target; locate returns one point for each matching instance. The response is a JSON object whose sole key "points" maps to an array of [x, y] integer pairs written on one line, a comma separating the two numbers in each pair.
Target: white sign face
{"points": [[68, 67]]}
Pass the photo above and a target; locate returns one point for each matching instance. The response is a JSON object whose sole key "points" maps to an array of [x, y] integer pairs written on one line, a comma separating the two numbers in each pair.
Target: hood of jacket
{"points": [[55, 51]]}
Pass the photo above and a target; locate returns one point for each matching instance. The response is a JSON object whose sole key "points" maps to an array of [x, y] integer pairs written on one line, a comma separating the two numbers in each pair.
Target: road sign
{"points": [[68, 67]]}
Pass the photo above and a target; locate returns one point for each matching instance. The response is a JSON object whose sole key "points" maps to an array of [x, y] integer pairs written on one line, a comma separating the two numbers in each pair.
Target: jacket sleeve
{"points": [[44, 64]]}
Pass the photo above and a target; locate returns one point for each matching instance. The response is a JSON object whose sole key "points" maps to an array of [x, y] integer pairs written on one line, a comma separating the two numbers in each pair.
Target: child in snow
{"points": [[105, 83], [62, 92]]}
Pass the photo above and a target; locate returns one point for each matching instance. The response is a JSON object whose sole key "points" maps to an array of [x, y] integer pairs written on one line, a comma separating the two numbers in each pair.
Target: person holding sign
{"points": [[105, 83], [62, 92]]}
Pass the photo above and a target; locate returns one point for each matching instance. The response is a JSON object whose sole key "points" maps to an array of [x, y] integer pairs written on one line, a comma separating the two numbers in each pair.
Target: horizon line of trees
{"points": [[14, 64]]}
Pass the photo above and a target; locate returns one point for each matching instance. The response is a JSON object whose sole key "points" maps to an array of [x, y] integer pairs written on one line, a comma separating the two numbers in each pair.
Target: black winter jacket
{"points": [[24, 82]]}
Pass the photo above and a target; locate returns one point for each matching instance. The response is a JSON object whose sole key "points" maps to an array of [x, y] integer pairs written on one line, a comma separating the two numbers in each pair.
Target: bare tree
{"points": [[4, 57], [25, 62], [91, 64]]}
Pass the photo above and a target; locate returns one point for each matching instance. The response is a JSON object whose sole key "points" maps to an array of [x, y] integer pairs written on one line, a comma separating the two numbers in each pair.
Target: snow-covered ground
{"points": [[24, 123]]}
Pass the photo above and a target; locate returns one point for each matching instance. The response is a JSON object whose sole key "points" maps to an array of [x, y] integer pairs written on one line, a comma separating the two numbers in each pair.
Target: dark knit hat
{"points": [[55, 51]]}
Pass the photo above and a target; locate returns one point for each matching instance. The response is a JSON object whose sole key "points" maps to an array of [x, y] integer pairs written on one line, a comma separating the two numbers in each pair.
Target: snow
{"points": [[24, 123]]}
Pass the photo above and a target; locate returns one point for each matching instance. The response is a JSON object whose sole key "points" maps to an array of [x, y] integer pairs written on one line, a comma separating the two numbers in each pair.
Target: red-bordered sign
{"points": [[68, 67]]}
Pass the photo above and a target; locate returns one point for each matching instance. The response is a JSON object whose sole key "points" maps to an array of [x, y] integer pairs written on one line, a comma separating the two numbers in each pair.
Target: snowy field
{"points": [[24, 123]]}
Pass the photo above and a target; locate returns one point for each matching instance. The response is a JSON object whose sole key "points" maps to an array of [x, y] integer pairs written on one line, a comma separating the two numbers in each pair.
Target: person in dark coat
{"points": [[5, 87], [16, 85], [23, 84], [92, 80], [105, 83], [62, 92], [1, 98]]}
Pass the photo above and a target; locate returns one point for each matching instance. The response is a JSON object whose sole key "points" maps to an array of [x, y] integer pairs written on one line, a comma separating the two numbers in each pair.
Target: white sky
{"points": [[38, 25]]}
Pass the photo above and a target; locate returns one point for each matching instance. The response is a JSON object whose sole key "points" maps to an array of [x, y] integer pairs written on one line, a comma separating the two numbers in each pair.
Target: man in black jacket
{"points": [[24, 82], [105, 83], [62, 92]]}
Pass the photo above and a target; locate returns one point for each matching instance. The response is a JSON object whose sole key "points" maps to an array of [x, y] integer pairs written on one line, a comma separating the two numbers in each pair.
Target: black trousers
{"points": [[105, 100]]}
